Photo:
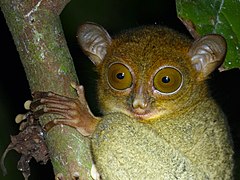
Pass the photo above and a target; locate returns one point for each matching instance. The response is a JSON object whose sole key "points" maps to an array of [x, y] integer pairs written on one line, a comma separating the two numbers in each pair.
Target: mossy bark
{"points": [[37, 32]]}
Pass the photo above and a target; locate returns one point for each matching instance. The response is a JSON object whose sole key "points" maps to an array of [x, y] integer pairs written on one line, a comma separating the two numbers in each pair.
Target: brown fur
{"points": [[186, 137]]}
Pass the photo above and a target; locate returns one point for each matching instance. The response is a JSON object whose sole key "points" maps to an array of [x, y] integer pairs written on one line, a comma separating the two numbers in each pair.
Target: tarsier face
{"points": [[152, 71], [141, 95]]}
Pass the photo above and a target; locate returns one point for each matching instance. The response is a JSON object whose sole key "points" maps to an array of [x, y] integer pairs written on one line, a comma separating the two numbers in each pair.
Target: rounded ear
{"points": [[207, 54], [94, 41]]}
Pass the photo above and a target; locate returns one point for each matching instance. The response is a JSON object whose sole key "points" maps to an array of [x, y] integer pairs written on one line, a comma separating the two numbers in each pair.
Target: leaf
{"points": [[215, 16]]}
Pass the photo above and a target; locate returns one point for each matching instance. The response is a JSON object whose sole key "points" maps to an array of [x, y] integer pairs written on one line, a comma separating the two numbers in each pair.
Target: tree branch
{"points": [[36, 29]]}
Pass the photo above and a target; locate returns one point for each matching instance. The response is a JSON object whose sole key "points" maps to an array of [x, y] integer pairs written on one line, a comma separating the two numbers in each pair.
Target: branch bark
{"points": [[36, 29]]}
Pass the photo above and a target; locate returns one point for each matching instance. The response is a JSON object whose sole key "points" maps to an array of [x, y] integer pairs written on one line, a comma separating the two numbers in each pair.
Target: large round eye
{"points": [[167, 80], [119, 76]]}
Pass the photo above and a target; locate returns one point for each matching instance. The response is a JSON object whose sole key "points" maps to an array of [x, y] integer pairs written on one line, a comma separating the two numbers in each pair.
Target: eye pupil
{"points": [[165, 79], [120, 75]]}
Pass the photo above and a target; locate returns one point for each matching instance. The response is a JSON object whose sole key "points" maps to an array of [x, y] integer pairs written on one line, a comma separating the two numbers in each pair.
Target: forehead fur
{"points": [[149, 45]]}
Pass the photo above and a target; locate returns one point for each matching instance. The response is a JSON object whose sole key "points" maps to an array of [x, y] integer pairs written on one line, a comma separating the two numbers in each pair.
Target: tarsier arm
{"points": [[73, 112]]}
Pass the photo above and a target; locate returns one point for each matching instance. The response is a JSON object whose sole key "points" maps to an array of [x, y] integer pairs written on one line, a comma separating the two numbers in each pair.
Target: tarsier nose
{"points": [[139, 102]]}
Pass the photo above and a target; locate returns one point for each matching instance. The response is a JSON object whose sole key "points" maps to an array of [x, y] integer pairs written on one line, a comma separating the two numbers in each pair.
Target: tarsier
{"points": [[159, 120]]}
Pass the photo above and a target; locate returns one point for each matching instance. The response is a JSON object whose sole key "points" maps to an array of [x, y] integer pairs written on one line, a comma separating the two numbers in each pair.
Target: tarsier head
{"points": [[150, 71]]}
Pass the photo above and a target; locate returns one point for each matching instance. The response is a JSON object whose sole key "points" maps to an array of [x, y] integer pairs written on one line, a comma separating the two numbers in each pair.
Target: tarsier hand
{"points": [[73, 112]]}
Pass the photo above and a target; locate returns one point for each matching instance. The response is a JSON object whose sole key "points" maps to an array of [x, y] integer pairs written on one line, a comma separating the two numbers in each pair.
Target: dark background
{"points": [[114, 16]]}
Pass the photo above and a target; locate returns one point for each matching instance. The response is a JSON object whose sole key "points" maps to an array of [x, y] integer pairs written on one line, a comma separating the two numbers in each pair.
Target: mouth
{"points": [[142, 114], [145, 115]]}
